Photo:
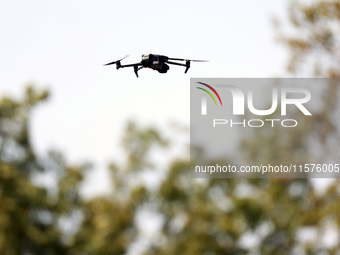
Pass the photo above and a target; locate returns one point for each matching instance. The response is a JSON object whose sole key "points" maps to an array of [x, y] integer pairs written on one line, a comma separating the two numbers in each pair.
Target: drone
{"points": [[155, 62]]}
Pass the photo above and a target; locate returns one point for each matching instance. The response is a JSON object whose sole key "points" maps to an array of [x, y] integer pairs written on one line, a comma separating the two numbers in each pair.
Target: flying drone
{"points": [[155, 62]]}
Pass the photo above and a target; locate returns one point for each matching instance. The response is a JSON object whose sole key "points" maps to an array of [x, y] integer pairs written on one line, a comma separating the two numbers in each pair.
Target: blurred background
{"points": [[96, 161]]}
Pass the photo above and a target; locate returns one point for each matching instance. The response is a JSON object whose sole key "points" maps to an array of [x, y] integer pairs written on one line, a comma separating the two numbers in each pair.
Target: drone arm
{"points": [[187, 64], [130, 65], [174, 63]]}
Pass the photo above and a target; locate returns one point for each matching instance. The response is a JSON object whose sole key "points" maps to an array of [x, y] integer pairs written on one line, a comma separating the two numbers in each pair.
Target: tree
{"points": [[30, 215], [273, 215]]}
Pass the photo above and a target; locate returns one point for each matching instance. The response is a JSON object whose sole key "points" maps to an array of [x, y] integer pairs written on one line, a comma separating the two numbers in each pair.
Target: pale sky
{"points": [[62, 46]]}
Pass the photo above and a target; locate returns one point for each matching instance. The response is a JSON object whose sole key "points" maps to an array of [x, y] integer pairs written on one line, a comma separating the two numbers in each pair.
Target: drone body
{"points": [[155, 62]]}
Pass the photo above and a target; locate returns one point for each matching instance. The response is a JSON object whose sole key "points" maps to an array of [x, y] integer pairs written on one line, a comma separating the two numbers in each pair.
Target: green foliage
{"points": [[28, 215], [314, 42]]}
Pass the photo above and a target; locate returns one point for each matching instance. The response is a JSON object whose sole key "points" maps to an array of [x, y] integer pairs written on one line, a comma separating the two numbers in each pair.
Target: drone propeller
{"points": [[187, 63], [199, 60], [116, 62]]}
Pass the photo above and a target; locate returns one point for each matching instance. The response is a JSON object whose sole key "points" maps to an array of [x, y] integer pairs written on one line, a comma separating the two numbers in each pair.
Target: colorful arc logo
{"points": [[212, 89]]}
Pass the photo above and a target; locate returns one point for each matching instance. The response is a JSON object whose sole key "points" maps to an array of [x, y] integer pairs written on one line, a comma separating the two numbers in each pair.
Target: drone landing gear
{"points": [[118, 65], [136, 69], [187, 65]]}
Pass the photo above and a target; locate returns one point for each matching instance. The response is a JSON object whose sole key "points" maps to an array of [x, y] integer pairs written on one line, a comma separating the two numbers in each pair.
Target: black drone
{"points": [[155, 62]]}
